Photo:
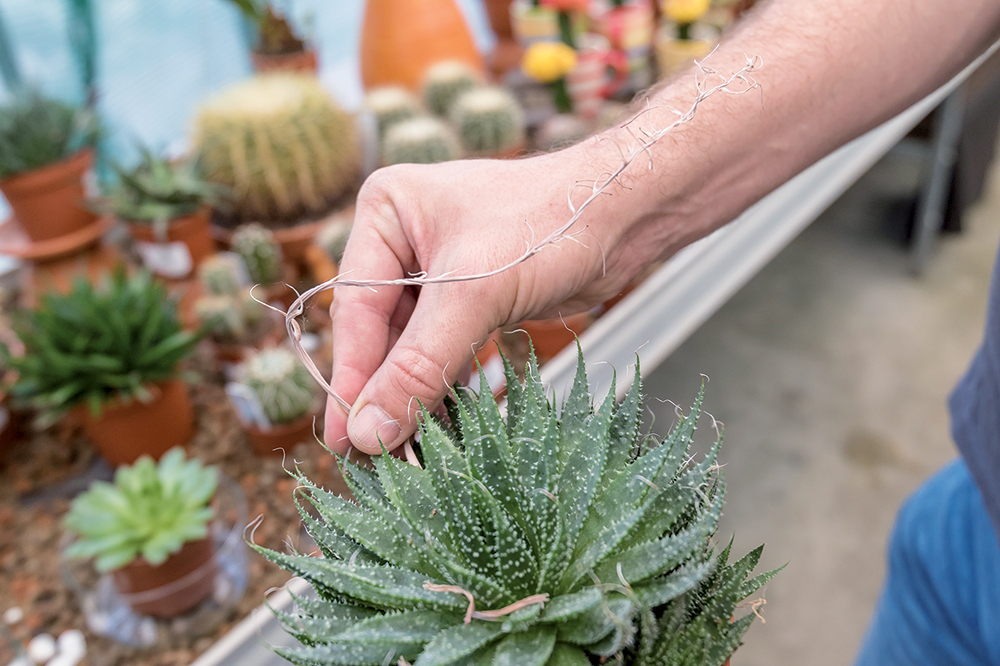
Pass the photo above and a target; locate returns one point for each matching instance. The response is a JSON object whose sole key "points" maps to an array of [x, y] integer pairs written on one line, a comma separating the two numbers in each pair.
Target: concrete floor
{"points": [[831, 370]]}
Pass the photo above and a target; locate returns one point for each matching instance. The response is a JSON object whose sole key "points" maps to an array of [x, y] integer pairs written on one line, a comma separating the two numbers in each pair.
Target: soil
{"points": [[45, 470]]}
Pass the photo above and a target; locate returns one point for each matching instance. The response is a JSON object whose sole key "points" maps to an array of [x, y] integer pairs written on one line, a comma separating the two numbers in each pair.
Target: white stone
{"points": [[13, 615], [72, 644], [41, 648]]}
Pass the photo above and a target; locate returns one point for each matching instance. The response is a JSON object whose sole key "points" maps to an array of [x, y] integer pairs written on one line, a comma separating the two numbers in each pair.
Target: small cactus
{"points": [[390, 105], [282, 384], [259, 251], [218, 277], [332, 238], [281, 145], [444, 82], [422, 140], [488, 121], [222, 318]]}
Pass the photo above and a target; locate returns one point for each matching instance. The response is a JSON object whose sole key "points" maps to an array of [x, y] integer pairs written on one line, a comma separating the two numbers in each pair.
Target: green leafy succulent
{"points": [[543, 538], [150, 511], [36, 131], [97, 344]]}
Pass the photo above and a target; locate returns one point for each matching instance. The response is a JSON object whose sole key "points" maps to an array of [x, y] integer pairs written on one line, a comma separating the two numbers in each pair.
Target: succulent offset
{"points": [[540, 538], [260, 253], [150, 511], [444, 82], [420, 140], [488, 121], [282, 384], [390, 105], [36, 131], [281, 145]]}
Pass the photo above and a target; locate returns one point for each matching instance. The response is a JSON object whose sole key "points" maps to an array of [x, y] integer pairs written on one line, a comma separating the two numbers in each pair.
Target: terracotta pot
{"points": [[550, 336], [507, 53], [673, 55], [188, 242], [49, 202], [280, 439], [322, 268], [305, 62], [400, 39], [176, 586], [126, 430]]}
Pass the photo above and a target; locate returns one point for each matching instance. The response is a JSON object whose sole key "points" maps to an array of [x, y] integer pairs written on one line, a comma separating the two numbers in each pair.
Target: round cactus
{"points": [[218, 277], [333, 238], [488, 121], [280, 144], [422, 140], [282, 384], [444, 82], [222, 317], [390, 105], [259, 251]]}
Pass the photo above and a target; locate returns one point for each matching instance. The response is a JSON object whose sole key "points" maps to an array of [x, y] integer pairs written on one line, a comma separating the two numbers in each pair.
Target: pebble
{"points": [[13, 615], [41, 648], [72, 644]]}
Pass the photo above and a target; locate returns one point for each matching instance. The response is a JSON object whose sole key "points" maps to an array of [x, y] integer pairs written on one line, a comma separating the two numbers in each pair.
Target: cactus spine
{"points": [[259, 251], [443, 84], [280, 144], [421, 140], [488, 121], [282, 384]]}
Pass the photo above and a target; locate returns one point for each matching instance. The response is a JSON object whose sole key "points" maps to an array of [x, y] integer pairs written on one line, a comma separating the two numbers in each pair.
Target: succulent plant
{"points": [[260, 253], [150, 511], [157, 191], [421, 140], [488, 121], [98, 344], [218, 277], [444, 82], [36, 131], [281, 145], [549, 538], [283, 385], [333, 237], [222, 318], [390, 105]]}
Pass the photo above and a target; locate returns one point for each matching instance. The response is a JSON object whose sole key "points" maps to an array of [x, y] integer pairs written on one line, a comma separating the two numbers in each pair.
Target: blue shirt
{"points": [[975, 409]]}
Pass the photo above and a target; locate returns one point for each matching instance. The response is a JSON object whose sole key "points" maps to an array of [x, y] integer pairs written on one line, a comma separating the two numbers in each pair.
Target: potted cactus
{"points": [[111, 356], [557, 538], [230, 318], [389, 105], [285, 394], [277, 47], [445, 82], [165, 205], [299, 157], [150, 530], [46, 149], [677, 44], [262, 257], [489, 122], [420, 140]]}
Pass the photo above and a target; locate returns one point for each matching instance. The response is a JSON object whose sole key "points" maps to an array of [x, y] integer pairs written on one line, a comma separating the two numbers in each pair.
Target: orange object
{"points": [[322, 268], [550, 336], [293, 240], [304, 62], [126, 430], [400, 39], [192, 230], [170, 589], [281, 439], [49, 202]]}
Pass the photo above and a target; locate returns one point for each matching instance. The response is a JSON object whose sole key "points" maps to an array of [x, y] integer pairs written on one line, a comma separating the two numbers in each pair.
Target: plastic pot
{"points": [[187, 243], [126, 430], [303, 62], [178, 585], [280, 439], [48, 202]]}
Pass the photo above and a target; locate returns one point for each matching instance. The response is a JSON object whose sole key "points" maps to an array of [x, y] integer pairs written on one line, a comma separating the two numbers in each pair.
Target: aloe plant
{"points": [[150, 511], [557, 538]]}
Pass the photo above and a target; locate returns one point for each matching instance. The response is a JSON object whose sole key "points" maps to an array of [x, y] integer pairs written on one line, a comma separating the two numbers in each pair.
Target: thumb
{"points": [[421, 367]]}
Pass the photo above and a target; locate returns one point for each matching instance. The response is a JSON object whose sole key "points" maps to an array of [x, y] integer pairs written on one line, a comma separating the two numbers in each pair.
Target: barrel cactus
{"points": [[282, 384], [444, 82], [422, 140], [390, 105], [218, 277], [540, 537], [260, 253], [281, 145], [488, 120]]}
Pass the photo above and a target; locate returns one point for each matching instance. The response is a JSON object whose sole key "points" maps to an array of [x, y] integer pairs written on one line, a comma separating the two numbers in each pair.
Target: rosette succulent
{"points": [[543, 537]]}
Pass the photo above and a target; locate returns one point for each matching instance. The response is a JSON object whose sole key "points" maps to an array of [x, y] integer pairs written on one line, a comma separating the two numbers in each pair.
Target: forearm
{"points": [[829, 72]]}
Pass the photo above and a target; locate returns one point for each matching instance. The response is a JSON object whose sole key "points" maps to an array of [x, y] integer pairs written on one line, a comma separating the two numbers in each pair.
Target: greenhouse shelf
{"points": [[659, 314]]}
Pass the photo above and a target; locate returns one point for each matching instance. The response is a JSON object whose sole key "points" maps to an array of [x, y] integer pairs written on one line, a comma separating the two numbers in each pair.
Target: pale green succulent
{"points": [[488, 121], [218, 277], [444, 82], [420, 140], [282, 384], [579, 540], [222, 318], [390, 105], [150, 511], [260, 252]]}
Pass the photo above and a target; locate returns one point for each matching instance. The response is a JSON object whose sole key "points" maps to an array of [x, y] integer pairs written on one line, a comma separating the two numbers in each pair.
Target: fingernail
{"points": [[372, 425]]}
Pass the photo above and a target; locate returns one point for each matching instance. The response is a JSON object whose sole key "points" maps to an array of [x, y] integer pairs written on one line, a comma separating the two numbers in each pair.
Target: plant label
{"points": [[170, 260]]}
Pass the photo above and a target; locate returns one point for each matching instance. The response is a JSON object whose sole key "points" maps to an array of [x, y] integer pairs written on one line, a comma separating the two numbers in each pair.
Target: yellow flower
{"points": [[548, 61], [685, 11]]}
